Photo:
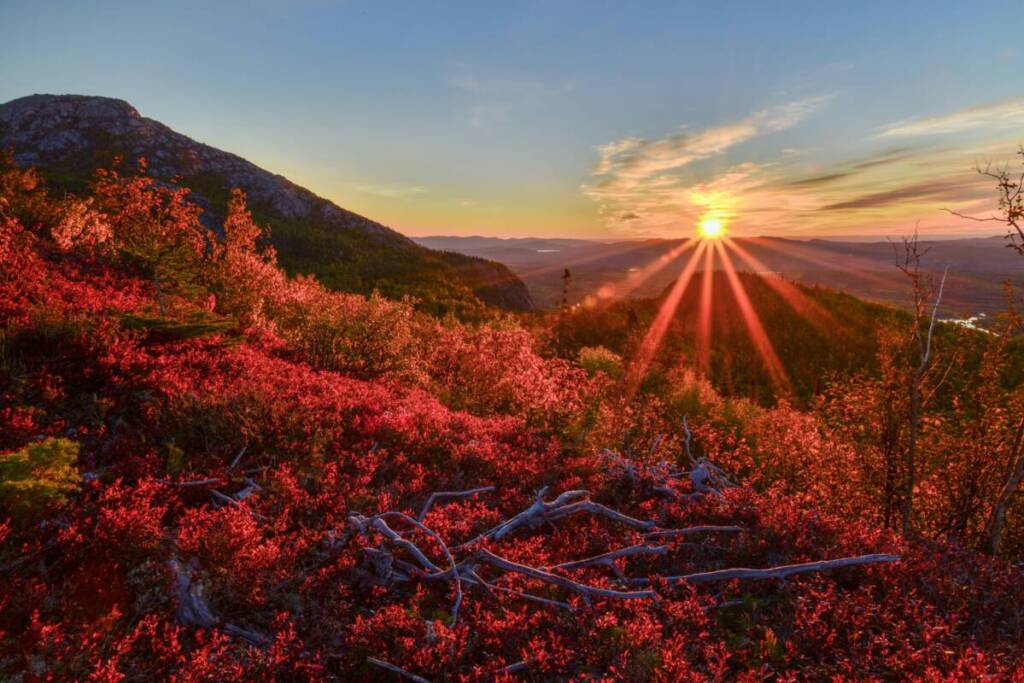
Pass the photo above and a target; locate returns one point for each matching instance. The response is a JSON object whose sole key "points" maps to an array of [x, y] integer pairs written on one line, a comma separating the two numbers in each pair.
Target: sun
{"points": [[711, 228]]}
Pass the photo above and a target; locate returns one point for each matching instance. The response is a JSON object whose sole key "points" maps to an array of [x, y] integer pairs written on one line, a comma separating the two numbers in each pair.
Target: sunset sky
{"points": [[590, 119]]}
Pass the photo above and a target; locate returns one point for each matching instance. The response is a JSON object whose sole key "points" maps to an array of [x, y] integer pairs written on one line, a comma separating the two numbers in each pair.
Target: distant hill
{"points": [[977, 266], [68, 136]]}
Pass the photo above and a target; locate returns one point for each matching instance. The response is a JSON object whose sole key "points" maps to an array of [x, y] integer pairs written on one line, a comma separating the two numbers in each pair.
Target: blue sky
{"points": [[559, 118]]}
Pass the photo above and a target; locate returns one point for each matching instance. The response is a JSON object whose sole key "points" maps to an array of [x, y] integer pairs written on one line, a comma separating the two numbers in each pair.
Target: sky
{"points": [[607, 120]]}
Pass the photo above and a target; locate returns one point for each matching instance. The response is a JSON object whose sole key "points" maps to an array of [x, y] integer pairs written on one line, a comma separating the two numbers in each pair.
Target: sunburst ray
{"points": [[814, 312], [630, 283], [656, 332], [753, 323], [704, 316]]}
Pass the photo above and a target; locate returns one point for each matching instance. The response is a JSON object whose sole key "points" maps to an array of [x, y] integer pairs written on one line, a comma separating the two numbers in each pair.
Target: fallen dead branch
{"points": [[378, 523], [191, 483], [582, 589], [780, 572], [438, 495], [565, 505], [608, 559], [692, 530], [194, 609], [386, 567]]}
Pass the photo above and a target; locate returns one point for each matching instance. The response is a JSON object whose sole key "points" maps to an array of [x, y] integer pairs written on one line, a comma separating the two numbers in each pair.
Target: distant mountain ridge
{"points": [[68, 136], [977, 266]]}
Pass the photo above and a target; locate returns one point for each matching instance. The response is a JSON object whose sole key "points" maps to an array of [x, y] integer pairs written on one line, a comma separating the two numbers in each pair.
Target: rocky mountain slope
{"points": [[68, 136]]}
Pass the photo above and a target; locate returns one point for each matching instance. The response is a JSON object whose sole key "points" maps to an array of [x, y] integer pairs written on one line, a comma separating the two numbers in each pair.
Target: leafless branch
{"points": [[608, 559], [191, 484], [691, 530], [772, 572], [582, 589], [438, 495]]}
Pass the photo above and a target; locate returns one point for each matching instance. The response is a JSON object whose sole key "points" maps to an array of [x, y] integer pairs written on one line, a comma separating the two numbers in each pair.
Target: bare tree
{"points": [[1010, 487], [1010, 186], [909, 262]]}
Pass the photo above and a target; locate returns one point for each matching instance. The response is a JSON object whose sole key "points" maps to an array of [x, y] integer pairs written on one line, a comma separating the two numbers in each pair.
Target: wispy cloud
{"points": [[954, 189], [639, 183], [639, 158], [999, 115], [389, 191], [885, 192]]}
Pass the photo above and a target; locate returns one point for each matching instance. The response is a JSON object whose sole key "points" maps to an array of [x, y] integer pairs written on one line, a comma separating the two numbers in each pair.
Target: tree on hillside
{"points": [[1010, 212], [923, 331], [1010, 187], [156, 229]]}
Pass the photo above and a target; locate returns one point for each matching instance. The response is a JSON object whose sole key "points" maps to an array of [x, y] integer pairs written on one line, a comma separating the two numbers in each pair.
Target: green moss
{"points": [[38, 477]]}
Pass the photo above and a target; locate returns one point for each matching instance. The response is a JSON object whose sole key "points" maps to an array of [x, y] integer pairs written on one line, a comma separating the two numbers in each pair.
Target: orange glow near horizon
{"points": [[808, 254], [753, 322], [656, 332]]}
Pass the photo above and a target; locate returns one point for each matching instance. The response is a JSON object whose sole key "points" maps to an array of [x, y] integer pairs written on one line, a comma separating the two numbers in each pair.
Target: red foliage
{"points": [[89, 593]]}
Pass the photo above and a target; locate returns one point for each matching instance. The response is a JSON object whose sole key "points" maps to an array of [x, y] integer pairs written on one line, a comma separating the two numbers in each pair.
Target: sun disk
{"points": [[711, 228]]}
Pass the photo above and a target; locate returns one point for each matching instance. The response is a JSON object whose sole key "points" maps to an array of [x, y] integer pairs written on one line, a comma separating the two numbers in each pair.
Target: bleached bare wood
{"points": [[238, 458], [250, 488], [692, 530], [688, 442], [772, 572], [191, 483], [565, 505], [599, 510], [608, 559], [533, 515], [193, 607], [378, 523], [513, 668], [438, 495], [397, 669], [219, 495], [472, 578], [582, 589]]}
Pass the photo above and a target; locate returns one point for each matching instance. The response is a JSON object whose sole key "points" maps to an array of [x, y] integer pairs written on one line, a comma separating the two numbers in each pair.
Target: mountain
{"points": [[68, 136], [977, 266]]}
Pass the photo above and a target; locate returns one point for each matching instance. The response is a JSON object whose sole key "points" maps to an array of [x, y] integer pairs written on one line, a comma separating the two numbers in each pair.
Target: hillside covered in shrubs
{"points": [[212, 471]]}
